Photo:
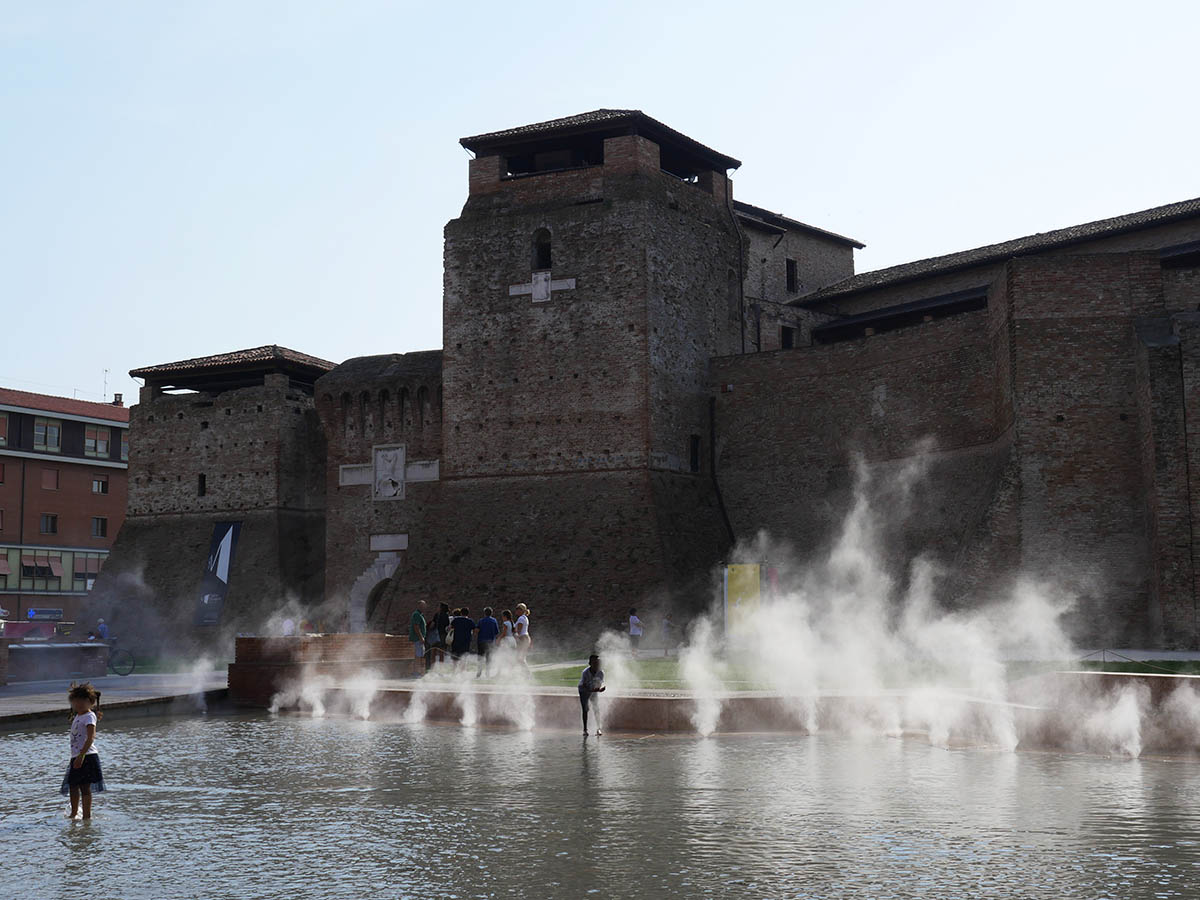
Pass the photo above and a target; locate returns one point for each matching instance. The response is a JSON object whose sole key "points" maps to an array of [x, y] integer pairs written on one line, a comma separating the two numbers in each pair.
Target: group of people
{"points": [[454, 631]]}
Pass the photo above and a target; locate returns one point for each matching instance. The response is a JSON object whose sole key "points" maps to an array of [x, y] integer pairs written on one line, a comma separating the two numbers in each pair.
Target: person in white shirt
{"points": [[83, 772], [522, 630], [635, 630], [591, 685]]}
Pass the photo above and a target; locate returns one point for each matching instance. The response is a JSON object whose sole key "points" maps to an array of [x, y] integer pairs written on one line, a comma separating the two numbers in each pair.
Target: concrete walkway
{"points": [[23, 701]]}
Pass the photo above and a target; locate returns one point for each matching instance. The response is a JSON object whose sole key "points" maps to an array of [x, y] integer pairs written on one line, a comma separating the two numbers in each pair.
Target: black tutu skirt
{"points": [[89, 773]]}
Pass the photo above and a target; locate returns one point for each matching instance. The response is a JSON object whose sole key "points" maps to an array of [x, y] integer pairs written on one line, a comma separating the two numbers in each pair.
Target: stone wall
{"points": [[1057, 422], [261, 452], [365, 403]]}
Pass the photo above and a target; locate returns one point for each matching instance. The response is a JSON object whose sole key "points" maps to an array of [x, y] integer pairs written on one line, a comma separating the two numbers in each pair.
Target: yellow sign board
{"points": [[742, 593]]}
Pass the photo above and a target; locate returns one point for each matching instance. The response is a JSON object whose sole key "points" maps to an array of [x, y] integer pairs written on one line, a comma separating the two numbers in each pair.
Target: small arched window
{"points": [[384, 396], [541, 249], [405, 409], [364, 410], [347, 422], [439, 403]]}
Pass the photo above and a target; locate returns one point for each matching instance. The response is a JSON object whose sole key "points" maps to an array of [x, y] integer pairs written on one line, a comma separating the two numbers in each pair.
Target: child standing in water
{"points": [[83, 772], [591, 683]]}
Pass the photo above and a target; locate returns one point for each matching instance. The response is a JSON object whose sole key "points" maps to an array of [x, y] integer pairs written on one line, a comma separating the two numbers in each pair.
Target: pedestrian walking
{"points": [[635, 631], [487, 630]]}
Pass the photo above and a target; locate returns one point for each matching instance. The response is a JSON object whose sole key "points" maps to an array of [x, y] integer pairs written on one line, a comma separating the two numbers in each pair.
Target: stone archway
{"points": [[372, 580], [374, 598]]}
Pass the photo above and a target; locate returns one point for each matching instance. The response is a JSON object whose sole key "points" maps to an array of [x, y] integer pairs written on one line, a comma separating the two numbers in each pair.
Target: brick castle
{"points": [[638, 371]]}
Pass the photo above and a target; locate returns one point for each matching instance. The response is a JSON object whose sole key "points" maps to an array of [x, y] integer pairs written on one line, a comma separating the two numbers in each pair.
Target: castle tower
{"points": [[592, 274]]}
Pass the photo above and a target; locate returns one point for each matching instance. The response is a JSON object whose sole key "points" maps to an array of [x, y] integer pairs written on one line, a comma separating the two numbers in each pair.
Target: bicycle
{"points": [[120, 661]]}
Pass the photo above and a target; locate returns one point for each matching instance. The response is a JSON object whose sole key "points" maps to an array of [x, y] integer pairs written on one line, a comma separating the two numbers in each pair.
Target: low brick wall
{"points": [[4, 642], [43, 661], [263, 666]]}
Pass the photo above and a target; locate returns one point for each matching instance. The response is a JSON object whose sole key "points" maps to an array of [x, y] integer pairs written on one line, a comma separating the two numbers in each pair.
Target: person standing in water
{"points": [[83, 772], [591, 685]]}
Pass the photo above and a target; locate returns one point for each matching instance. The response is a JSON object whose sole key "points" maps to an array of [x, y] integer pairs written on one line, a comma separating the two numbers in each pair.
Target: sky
{"points": [[190, 178]]}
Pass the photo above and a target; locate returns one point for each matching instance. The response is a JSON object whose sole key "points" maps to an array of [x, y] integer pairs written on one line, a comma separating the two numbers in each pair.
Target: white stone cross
{"points": [[541, 286]]}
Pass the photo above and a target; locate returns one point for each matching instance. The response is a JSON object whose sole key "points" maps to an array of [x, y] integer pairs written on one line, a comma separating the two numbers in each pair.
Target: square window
{"points": [[99, 526], [49, 523], [96, 441], [99, 484], [47, 434], [125, 445], [49, 479]]}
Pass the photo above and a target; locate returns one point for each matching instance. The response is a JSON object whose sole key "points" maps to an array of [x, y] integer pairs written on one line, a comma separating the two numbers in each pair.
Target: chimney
{"points": [[118, 400]]}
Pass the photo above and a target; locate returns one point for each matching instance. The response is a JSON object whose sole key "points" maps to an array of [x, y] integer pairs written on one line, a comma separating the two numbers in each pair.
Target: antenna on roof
{"points": [[104, 393]]}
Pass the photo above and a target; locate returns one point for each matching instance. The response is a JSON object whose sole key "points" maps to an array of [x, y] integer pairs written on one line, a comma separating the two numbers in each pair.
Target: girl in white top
{"points": [[523, 638], [507, 639], [83, 771]]}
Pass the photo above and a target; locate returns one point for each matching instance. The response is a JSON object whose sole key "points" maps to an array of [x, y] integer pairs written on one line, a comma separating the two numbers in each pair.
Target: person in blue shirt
{"points": [[102, 630], [462, 627], [486, 631]]}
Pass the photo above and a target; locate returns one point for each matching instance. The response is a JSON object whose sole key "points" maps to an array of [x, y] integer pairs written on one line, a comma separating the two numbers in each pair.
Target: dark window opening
{"points": [[99, 526], [554, 157], [49, 524], [201, 485], [694, 453], [793, 282], [787, 337], [541, 250]]}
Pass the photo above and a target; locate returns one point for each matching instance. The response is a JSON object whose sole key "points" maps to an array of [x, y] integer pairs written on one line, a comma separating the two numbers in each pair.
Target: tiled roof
{"points": [[63, 406], [765, 215], [1034, 243], [597, 119], [271, 353]]}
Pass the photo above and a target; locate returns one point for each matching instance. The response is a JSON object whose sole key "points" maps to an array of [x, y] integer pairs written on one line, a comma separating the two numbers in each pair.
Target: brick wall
{"points": [[362, 403], [790, 422], [1061, 434], [261, 450]]}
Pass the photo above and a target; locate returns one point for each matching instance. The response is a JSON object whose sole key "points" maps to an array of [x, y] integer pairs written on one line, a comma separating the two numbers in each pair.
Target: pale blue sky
{"points": [[187, 178]]}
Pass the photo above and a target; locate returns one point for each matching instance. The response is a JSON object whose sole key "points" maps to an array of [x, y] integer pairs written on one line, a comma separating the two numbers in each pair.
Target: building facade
{"points": [[227, 481], [639, 371], [63, 488]]}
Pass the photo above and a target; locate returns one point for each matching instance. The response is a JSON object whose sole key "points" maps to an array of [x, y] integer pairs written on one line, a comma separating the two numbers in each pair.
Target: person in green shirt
{"points": [[416, 631]]}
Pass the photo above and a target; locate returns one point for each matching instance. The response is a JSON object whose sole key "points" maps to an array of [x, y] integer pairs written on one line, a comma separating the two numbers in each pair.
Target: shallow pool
{"points": [[251, 806]]}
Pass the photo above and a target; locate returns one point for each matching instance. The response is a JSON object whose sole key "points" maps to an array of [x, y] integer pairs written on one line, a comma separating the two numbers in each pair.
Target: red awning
{"points": [[4, 569], [80, 565], [56, 566], [28, 561], [42, 561], [94, 565]]}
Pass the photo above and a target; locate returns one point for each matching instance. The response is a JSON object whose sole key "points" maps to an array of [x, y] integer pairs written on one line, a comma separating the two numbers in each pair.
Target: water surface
{"points": [[251, 806]]}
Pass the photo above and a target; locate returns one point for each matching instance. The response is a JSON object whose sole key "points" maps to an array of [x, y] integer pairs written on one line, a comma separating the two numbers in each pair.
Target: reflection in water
{"points": [[259, 806]]}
